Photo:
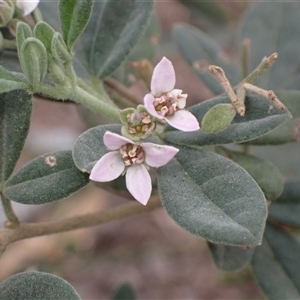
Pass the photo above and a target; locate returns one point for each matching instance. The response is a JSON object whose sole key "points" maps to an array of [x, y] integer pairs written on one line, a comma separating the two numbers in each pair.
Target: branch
{"points": [[29, 230]]}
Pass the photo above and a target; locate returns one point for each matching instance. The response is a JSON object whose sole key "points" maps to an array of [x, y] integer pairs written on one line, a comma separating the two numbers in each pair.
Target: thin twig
{"points": [[8, 236], [13, 220]]}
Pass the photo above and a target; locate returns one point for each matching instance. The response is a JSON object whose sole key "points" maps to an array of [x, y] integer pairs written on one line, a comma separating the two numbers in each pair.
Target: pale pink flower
{"points": [[167, 103], [134, 160], [27, 6]]}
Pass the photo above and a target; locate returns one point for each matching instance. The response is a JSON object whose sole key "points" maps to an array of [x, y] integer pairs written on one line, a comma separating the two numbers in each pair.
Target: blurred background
{"points": [[150, 251]]}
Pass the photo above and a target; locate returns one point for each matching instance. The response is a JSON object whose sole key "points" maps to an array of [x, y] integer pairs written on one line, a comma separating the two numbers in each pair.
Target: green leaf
{"points": [[74, 16], [200, 51], [15, 112], [110, 36], [44, 32], [262, 171], [218, 118], [273, 27], [289, 131], [276, 265], [212, 197], [286, 209], [10, 81], [36, 286], [23, 32], [260, 117], [124, 292], [34, 60], [59, 49], [89, 146], [47, 178], [230, 259]]}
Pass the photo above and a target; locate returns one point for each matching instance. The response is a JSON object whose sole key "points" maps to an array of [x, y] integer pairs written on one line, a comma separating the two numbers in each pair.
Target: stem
{"points": [[9, 212], [265, 64], [81, 96], [245, 57], [122, 90], [8, 236]]}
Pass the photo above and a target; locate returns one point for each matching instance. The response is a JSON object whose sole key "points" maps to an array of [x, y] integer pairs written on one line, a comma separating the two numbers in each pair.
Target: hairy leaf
{"points": [[15, 112], [260, 117], [276, 265], [36, 286], [212, 197], [48, 178]]}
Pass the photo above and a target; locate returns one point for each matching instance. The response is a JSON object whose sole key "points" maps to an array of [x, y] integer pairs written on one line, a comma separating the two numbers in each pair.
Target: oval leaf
{"points": [[45, 179], [276, 265], [124, 291], [10, 81], [262, 171], [260, 117], [273, 25], [212, 197], [36, 286], [74, 16], [110, 36], [200, 51], [44, 32], [15, 113], [218, 117], [229, 258]]}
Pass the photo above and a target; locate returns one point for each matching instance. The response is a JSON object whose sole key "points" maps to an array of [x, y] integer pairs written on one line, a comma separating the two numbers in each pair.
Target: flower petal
{"points": [[158, 155], [138, 182], [27, 6], [163, 78], [148, 102], [114, 141], [183, 120], [109, 167]]}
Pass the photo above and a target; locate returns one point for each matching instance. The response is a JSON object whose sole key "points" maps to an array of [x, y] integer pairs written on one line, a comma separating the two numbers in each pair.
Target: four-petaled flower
{"points": [[167, 103], [134, 160], [27, 6]]}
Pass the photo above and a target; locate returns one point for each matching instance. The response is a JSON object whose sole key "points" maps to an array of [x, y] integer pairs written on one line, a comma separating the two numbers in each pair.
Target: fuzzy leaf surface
{"points": [[74, 16], [48, 178], [36, 286], [15, 113], [289, 131], [260, 117], [10, 81], [229, 258], [113, 30], [275, 26], [276, 265], [200, 51], [286, 209], [262, 171], [213, 198]]}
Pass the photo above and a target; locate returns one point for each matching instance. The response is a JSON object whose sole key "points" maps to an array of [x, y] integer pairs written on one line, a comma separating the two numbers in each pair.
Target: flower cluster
{"points": [[130, 156]]}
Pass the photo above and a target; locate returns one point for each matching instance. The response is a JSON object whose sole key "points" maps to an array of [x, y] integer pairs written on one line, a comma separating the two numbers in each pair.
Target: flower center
{"points": [[165, 105], [138, 122], [132, 154]]}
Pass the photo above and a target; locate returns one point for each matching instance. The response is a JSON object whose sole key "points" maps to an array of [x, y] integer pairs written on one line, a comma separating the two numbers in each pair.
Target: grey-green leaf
{"points": [[289, 131], [212, 197], [260, 117], [273, 27], [48, 178], [15, 113], [36, 286], [44, 32], [34, 60], [10, 81], [218, 118], [229, 258], [23, 32], [200, 51], [276, 265], [262, 171], [114, 28], [89, 146], [286, 209], [74, 16]]}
